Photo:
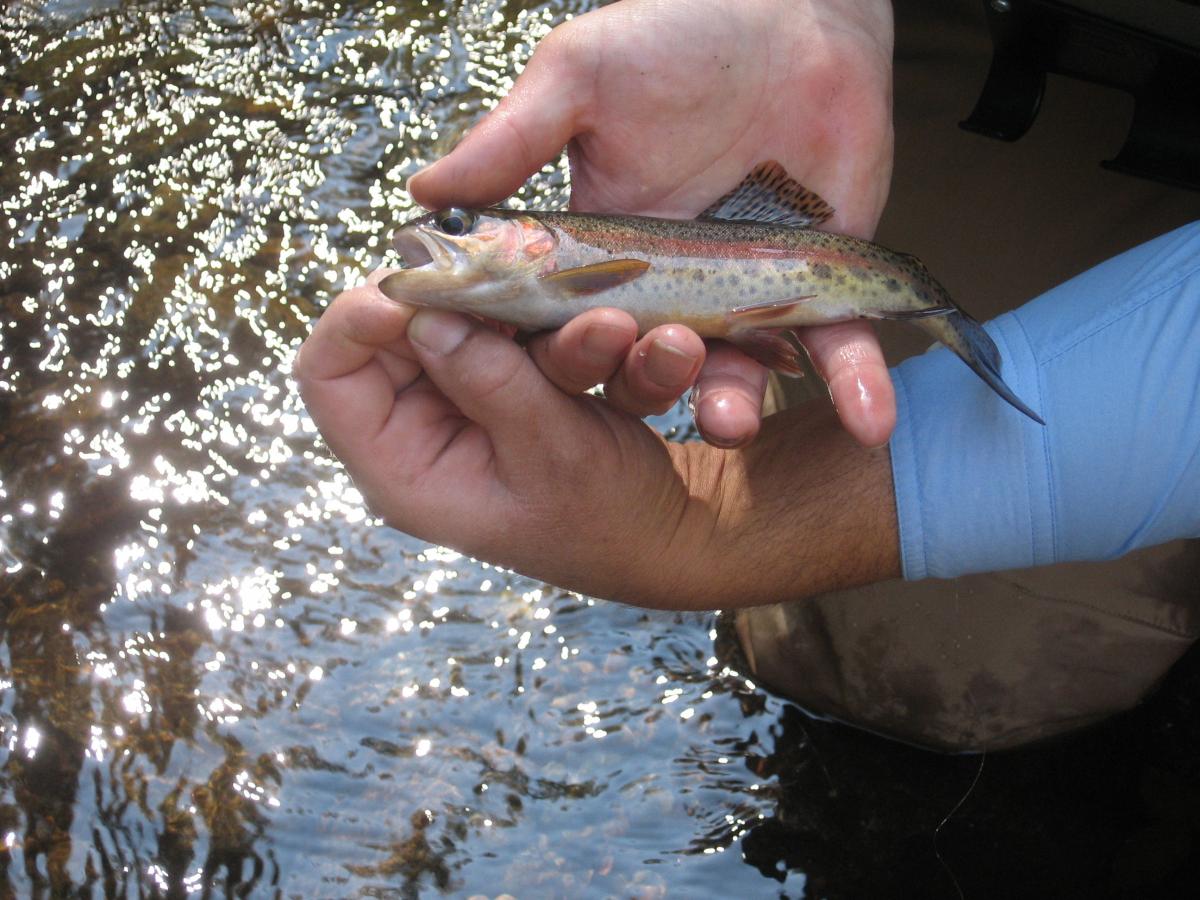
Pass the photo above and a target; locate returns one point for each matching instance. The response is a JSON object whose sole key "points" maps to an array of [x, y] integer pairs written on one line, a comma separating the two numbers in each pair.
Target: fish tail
{"points": [[975, 347]]}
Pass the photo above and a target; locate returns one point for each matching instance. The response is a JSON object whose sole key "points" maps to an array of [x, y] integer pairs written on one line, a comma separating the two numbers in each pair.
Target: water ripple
{"points": [[217, 667]]}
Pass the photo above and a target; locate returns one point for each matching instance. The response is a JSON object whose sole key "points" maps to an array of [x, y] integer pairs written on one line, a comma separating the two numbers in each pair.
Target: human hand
{"points": [[665, 105], [468, 445], [452, 433]]}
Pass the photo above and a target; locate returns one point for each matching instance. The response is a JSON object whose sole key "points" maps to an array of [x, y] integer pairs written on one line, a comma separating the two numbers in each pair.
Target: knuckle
{"points": [[557, 46], [569, 52]]}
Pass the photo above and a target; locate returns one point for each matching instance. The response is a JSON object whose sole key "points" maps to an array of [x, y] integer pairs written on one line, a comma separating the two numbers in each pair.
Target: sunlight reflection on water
{"points": [[218, 667]]}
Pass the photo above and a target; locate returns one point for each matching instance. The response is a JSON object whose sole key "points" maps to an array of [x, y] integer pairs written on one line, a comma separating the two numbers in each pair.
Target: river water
{"points": [[221, 676]]}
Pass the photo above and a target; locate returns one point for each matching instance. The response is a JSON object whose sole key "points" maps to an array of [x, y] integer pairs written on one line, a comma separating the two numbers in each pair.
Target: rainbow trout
{"points": [[749, 269]]}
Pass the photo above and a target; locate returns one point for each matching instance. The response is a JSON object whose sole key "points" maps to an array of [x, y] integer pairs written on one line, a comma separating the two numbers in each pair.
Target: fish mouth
{"points": [[424, 249]]}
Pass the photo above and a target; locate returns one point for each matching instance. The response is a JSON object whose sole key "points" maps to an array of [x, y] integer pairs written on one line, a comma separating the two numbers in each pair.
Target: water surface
{"points": [[219, 669], [220, 675]]}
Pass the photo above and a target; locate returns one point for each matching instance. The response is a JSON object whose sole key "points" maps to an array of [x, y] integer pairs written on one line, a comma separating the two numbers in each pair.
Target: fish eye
{"points": [[455, 222]]}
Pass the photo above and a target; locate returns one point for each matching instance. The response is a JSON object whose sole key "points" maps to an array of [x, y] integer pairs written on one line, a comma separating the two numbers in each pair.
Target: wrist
{"points": [[671, 555], [802, 510]]}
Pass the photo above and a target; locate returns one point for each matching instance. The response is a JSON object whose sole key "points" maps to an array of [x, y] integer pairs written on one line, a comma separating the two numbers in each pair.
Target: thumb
{"points": [[529, 128], [491, 380]]}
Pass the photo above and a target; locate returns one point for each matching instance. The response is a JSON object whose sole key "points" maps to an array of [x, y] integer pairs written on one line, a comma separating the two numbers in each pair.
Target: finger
{"points": [[359, 328], [345, 335], [585, 352], [848, 357], [658, 369], [529, 128], [354, 361], [728, 397], [490, 379]]}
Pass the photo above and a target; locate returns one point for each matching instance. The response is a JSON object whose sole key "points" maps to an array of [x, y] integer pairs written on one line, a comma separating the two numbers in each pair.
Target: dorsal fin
{"points": [[769, 196]]}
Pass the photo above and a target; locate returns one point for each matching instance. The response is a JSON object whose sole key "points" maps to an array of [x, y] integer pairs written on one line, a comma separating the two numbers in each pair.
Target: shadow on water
{"points": [[220, 676], [1111, 812]]}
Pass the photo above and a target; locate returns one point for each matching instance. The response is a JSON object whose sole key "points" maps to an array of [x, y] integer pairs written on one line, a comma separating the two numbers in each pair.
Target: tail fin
{"points": [[974, 346]]}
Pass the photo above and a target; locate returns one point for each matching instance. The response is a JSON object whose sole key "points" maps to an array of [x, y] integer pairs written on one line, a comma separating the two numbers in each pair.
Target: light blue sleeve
{"points": [[1111, 360]]}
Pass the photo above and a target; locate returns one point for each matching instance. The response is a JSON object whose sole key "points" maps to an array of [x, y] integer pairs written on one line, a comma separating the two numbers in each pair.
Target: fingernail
{"points": [[603, 343], [436, 331], [668, 366]]}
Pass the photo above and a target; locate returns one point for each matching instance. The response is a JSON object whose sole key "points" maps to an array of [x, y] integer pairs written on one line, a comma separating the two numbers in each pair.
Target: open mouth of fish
{"points": [[421, 249]]}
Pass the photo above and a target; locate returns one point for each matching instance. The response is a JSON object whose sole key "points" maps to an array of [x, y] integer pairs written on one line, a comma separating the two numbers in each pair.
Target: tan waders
{"points": [[995, 660]]}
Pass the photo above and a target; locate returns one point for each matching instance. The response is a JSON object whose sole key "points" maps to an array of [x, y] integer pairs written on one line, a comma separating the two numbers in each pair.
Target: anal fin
{"points": [[910, 314], [771, 347]]}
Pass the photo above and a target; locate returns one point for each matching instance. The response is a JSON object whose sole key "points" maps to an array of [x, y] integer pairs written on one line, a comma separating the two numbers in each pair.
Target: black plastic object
{"points": [[1150, 48]]}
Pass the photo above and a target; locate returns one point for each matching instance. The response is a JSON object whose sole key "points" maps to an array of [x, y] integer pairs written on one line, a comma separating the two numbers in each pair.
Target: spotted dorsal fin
{"points": [[769, 196]]}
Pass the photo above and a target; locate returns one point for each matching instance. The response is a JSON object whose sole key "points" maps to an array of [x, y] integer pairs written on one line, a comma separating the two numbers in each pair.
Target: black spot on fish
{"points": [[821, 270], [698, 275], [892, 285]]}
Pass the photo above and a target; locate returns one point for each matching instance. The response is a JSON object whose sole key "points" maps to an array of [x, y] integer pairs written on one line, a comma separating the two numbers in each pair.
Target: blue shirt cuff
{"points": [[1111, 359]]}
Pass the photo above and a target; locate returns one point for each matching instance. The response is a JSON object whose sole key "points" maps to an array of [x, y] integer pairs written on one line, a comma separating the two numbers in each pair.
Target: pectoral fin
{"points": [[593, 279], [769, 196]]}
